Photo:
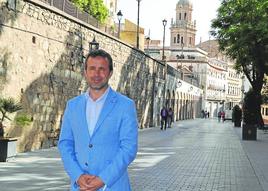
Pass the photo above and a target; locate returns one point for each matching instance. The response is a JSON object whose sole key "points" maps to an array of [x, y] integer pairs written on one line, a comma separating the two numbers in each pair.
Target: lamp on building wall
{"points": [[93, 45], [119, 17], [164, 34], [138, 24], [179, 84], [190, 89]]}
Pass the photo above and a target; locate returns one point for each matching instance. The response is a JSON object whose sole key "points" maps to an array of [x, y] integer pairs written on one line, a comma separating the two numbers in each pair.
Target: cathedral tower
{"points": [[183, 29]]}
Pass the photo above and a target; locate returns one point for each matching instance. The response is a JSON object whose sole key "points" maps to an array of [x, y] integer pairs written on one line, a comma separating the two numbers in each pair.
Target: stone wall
{"points": [[41, 65]]}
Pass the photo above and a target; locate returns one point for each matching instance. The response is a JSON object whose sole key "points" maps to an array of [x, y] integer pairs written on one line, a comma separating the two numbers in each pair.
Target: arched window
{"points": [[185, 16], [178, 38], [182, 40], [180, 16]]}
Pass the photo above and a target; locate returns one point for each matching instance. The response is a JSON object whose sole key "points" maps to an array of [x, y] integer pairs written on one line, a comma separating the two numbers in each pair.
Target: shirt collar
{"points": [[103, 96]]}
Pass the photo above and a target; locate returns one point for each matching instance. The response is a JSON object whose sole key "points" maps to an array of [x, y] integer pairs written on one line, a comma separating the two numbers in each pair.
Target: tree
{"points": [[241, 28], [96, 8], [7, 106]]}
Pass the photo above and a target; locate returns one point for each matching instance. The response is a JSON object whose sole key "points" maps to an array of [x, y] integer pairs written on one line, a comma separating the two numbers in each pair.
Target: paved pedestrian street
{"points": [[194, 155]]}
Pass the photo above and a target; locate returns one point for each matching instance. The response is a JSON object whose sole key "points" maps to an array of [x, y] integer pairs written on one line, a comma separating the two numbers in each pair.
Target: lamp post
{"points": [[138, 25], [164, 34], [93, 45], [182, 57], [178, 57], [148, 39], [164, 22], [119, 17]]}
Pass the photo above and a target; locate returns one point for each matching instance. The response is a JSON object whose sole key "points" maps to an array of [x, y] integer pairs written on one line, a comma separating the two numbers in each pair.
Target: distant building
{"points": [[183, 29], [128, 34], [112, 7], [200, 65], [233, 80]]}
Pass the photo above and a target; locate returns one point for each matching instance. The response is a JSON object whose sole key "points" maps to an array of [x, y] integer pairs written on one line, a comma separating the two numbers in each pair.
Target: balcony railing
{"points": [[69, 8]]}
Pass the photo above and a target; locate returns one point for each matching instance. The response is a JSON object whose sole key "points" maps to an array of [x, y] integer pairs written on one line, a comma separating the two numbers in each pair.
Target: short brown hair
{"points": [[101, 53]]}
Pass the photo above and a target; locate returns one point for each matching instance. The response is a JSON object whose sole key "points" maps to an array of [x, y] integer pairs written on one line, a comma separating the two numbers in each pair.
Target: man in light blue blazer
{"points": [[98, 138]]}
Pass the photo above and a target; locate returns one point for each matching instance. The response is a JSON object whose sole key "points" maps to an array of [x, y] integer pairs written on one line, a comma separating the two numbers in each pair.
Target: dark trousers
{"points": [[164, 123]]}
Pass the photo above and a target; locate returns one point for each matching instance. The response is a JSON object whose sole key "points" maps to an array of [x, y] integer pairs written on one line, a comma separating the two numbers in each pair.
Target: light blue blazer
{"points": [[110, 149]]}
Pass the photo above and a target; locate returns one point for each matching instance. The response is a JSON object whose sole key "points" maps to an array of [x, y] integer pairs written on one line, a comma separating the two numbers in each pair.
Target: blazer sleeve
{"points": [[67, 149], [128, 147]]}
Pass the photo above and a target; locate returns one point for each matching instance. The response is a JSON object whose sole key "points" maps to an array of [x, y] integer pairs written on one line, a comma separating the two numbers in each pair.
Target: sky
{"points": [[152, 12]]}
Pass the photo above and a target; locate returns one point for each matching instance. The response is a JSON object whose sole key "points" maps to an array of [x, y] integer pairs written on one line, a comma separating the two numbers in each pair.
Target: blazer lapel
{"points": [[107, 108], [83, 116]]}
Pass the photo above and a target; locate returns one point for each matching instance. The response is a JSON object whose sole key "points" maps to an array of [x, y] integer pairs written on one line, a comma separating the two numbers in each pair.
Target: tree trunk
{"points": [[259, 116], [1, 130]]}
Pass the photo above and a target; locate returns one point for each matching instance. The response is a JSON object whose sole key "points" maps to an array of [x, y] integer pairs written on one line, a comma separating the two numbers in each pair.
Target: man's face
{"points": [[98, 73]]}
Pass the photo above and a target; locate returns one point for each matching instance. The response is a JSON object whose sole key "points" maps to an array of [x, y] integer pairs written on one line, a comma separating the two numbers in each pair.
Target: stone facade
{"points": [[41, 65], [183, 29]]}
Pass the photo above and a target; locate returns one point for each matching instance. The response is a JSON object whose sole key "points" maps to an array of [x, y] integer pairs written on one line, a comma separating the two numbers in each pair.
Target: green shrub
{"points": [[23, 119], [237, 113]]}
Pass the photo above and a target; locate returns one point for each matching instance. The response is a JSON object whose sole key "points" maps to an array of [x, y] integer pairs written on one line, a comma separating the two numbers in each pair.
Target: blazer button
{"points": [[90, 145]]}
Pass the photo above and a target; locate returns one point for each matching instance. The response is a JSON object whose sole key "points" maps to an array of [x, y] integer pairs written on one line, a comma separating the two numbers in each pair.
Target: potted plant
{"points": [[7, 144], [237, 116]]}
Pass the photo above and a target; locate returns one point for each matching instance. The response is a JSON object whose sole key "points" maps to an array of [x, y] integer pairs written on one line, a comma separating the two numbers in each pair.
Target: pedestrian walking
{"points": [[164, 115], [223, 116], [203, 113], [98, 138], [219, 116], [208, 114], [170, 117]]}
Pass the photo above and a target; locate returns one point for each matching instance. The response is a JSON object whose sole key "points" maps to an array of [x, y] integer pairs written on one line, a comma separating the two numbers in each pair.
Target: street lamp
{"points": [[138, 24], [148, 39], [119, 17], [178, 57], [163, 59], [164, 34], [182, 57], [93, 45]]}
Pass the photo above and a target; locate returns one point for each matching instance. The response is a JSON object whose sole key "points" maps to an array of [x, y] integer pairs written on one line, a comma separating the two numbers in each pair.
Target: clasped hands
{"points": [[88, 182]]}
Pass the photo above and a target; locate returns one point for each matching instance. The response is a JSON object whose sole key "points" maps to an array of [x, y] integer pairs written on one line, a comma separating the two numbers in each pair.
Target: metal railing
{"points": [[69, 8]]}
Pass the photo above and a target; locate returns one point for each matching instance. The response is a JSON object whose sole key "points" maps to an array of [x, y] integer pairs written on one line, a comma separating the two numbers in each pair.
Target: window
{"points": [[178, 38], [174, 39], [185, 16], [266, 111], [180, 16], [190, 40], [182, 40], [33, 39]]}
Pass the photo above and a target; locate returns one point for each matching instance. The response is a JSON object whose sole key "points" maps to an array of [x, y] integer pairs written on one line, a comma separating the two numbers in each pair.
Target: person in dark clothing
{"points": [[170, 117], [164, 116], [223, 116], [219, 116]]}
